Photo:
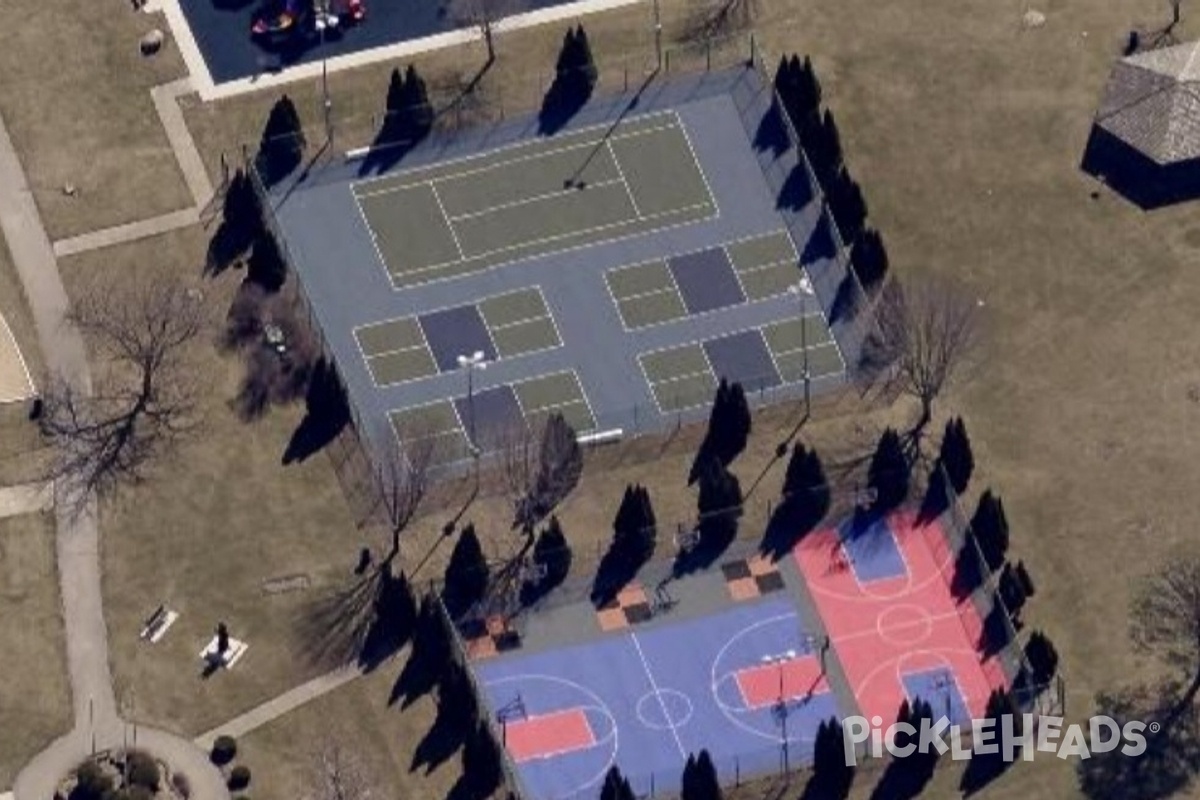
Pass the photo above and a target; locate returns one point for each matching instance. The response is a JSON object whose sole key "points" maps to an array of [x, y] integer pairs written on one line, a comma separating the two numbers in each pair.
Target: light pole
{"points": [[804, 290], [325, 20], [781, 707], [471, 363]]}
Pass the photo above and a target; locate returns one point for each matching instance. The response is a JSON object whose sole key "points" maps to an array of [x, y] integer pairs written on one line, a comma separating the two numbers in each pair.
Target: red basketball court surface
{"points": [[902, 633]]}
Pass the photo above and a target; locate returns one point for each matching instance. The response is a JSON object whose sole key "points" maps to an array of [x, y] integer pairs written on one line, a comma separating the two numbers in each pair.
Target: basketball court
{"points": [[883, 586], [739, 684]]}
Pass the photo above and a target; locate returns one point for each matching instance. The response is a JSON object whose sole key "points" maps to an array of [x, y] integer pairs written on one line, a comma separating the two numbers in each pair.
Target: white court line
{"points": [[712, 200], [578, 385], [395, 350], [774, 364], [524, 143], [949, 669], [7, 331], [430, 404], [568, 235], [658, 694], [628, 190], [650, 293], [528, 200], [515, 323], [383, 264], [462, 256]]}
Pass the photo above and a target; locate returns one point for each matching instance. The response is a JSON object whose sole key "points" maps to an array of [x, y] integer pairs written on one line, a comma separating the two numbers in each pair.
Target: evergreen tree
{"points": [[634, 532], [687, 786], [805, 487], [990, 525], [559, 466], [586, 61], [1042, 656], [847, 204], [481, 762], [397, 94], [420, 109], [552, 550], [466, 574], [869, 259], [888, 474], [810, 87], [719, 503], [616, 786], [282, 145], [738, 423], [707, 784], [265, 266]]}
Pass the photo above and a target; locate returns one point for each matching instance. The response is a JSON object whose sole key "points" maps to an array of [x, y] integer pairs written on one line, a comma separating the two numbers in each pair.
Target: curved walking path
{"points": [[98, 726]]}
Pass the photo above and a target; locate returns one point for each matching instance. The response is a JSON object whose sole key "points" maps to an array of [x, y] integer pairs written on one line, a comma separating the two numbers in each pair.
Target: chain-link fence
{"points": [[973, 576]]}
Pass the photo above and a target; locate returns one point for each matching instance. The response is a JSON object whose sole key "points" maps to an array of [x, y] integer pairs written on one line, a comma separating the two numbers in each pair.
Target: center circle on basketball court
{"points": [[904, 624], [664, 709]]}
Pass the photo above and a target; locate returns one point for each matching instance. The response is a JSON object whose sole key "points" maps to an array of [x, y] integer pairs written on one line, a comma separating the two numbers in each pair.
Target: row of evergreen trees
{"points": [[409, 113], [800, 92]]}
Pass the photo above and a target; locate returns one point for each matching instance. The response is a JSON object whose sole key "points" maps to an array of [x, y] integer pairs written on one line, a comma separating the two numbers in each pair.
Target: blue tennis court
{"points": [[871, 548], [731, 682]]}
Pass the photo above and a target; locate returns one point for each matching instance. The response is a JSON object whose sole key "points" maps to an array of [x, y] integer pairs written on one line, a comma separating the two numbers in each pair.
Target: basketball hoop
{"points": [[686, 539], [864, 498], [532, 572]]}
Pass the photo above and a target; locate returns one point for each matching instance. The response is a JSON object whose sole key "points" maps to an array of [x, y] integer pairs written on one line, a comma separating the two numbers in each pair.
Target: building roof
{"points": [[1152, 102]]}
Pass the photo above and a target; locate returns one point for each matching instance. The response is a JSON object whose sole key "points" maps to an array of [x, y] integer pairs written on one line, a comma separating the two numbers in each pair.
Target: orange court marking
{"points": [[546, 735], [760, 685]]}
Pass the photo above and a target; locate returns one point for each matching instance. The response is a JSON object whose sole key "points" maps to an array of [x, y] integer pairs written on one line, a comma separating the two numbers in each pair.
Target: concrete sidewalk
{"points": [[97, 724], [25, 499]]}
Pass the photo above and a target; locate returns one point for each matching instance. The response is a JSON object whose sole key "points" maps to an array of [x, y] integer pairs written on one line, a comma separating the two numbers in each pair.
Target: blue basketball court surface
{"points": [[732, 683], [871, 549]]}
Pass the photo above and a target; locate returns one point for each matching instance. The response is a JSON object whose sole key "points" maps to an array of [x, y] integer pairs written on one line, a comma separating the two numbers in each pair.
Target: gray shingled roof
{"points": [[1152, 102]]}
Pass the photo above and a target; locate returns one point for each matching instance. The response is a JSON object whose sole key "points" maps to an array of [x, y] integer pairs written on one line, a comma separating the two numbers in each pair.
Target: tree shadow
{"points": [[796, 193], [364, 624], [442, 740], [832, 778], [716, 535], [427, 660], [791, 521], [482, 770], [936, 499], [241, 225], [968, 570], [905, 778], [615, 571], [1172, 757], [994, 634], [327, 413], [772, 136], [565, 98], [985, 767]]}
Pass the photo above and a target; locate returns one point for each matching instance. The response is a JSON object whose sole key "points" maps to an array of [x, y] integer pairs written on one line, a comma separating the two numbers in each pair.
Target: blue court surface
{"points": [[871, 548], [938, 688], [645, 700]]}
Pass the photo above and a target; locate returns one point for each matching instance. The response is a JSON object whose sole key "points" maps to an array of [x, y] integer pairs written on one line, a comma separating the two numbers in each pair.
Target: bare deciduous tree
{"points": [[520, 451], [927, 333], [338, 774], [714, 19], [1165, 616], [485, 15], [406, 482], [142, 404]]}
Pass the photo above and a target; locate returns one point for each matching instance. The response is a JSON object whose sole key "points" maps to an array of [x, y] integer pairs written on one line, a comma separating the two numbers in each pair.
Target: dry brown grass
{"points": [[215, 522], [622, 41], [34, 696], [384, 738], [75, 96], [965, 133]]}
